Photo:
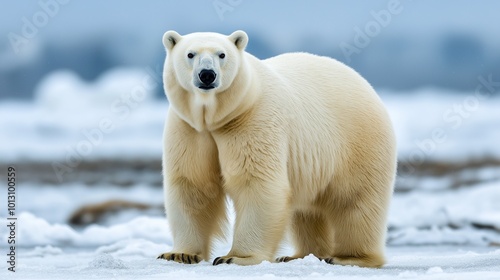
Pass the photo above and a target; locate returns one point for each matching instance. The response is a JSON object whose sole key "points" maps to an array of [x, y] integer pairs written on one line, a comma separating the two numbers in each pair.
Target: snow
{"points": [[435, 232], [116, 116], [403, 263], [73, 196], [106, 261], [36, 231], [457, 207], [419, 116]]}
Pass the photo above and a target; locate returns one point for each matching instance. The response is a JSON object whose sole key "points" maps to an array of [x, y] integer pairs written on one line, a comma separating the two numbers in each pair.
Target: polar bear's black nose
{"points": [[207, 76]]}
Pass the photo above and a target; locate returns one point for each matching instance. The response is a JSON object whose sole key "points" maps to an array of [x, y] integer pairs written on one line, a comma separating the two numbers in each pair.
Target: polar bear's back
{"points": [[324, 76], [323, 86], [321, 89]]}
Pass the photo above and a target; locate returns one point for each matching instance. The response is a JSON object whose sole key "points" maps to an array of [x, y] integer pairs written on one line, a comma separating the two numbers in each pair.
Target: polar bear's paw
{"points": [[181, 257], [374, 260], [287, 259], [250, 260]]}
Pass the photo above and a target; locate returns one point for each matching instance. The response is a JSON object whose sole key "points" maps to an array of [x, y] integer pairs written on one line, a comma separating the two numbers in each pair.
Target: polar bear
{"points": [[300, 143]]}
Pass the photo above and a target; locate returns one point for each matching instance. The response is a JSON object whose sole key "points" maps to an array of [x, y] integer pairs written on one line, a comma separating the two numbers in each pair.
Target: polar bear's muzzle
{"points": [[207, 78]]}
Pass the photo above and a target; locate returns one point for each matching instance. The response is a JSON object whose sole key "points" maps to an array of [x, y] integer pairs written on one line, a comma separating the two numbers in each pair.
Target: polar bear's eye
{"points": [[222, 55], [190, 55]]}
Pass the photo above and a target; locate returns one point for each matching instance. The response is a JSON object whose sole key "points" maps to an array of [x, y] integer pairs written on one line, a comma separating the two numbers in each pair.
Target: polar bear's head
{"points": [[204, 62]]}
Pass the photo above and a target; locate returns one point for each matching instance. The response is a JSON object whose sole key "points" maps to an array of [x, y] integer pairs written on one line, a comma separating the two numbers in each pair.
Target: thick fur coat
{"points": [[297, 141]]}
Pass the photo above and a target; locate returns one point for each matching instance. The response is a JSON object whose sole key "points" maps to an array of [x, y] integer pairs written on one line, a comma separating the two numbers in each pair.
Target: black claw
{"points": [[230, 260], [196, 259], [160, 257], [329, 260], [218, 261], [172, 257], [189, 259], [182, 258], [283, 259]]}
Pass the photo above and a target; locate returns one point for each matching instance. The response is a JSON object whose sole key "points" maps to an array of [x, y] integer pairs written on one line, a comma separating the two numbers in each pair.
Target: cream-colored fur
{"points": [[296, 141]]}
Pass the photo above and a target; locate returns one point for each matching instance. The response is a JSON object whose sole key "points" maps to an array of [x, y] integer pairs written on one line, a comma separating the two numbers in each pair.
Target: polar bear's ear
{"points": [[239, 38], [170, 38]]}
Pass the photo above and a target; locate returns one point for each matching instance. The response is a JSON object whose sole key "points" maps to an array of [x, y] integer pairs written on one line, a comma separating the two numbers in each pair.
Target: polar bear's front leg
{"points": [[255, 178], [194, 198], [261, 217], [196, 215], [253, 155]]}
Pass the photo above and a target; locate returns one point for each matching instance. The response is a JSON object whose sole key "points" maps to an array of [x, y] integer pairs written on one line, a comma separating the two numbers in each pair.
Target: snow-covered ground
{"points": [[128, 250], [135, 259], [435, 231]]}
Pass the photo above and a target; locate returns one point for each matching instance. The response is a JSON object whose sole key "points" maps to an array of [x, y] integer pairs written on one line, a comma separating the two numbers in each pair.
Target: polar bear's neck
{"points": [[202, 110]]}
